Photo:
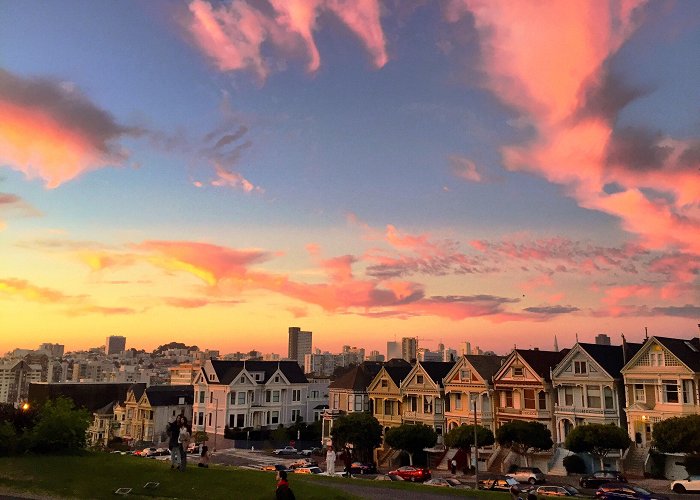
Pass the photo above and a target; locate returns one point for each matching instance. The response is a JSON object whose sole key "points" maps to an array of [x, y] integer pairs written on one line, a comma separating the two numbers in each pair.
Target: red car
{"points": [[410, 473]]}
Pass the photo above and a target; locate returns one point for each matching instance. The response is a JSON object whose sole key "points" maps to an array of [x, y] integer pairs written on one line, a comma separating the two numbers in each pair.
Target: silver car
{"points": [[532, 475]]}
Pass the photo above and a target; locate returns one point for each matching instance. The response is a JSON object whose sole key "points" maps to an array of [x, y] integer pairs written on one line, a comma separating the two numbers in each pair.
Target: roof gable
{"points": [[536, 364], [227, 371], [677, 352], [433, 371], [358, 378]]}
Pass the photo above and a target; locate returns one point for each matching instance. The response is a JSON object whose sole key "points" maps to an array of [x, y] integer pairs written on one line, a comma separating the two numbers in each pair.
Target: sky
{"points": [[212, 173]]}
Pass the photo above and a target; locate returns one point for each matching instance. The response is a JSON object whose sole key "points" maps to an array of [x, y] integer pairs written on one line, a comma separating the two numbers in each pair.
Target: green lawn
{"points": [[98, 475]]}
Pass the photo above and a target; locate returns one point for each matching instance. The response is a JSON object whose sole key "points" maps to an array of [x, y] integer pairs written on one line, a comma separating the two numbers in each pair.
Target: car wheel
{"points": [[679, 488], [532, 480]]}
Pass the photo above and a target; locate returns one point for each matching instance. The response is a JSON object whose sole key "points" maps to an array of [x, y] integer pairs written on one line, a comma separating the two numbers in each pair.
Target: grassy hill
{"points": [[98, 475]]}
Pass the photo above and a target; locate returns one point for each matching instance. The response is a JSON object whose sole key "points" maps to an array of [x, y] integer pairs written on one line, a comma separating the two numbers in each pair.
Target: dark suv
{"points": [[601, 477]]}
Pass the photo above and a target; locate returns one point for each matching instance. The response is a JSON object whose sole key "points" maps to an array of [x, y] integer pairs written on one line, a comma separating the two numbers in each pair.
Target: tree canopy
{"points": [[361, 430], [60, 427], [463, 436], [411, 438], [524, 437], [678, 435], [597, 439]]}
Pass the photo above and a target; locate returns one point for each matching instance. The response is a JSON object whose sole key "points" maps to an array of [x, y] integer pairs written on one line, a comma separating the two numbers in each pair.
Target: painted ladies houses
{"points": [[523, 387], [589, 387], [385, 393], [469, 380], [255, 394], [348, 394], [423, 395], [661, 381], [147, 410]]}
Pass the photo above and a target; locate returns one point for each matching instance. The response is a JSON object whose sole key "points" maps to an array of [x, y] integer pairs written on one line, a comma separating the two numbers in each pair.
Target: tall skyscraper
{"points": [[299, 344], [393, 350], [409, 347], [465, 348], [115, 344]]}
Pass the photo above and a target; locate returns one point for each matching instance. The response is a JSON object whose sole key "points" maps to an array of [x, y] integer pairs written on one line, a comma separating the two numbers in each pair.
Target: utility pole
{"points": [[476, 452]]}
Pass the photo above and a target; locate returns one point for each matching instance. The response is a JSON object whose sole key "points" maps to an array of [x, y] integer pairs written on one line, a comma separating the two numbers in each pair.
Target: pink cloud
{"points": [[234, 180], [548, 60], [464, 168], [237, 35]]}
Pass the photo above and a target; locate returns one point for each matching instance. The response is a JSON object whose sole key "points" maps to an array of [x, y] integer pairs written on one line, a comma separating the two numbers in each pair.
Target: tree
{"points": [[411, 438], [60, 427], [463, 437], [200, 437], [524, 437], [361, 430], [678, 435], [597, 439]]}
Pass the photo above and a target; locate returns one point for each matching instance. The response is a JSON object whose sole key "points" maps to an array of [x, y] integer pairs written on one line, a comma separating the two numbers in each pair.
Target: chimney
{"points": [[624, 349]]}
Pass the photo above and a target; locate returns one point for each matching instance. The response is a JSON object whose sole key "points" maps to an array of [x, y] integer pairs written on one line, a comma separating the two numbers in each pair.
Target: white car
{"points": [[686, 485], [287, 450]]}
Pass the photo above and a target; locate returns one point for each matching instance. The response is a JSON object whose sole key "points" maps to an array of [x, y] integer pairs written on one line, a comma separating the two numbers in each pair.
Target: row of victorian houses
{"points": [[630, 385]]}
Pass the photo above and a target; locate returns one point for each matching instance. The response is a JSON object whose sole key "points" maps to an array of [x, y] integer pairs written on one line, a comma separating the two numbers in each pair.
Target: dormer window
{"points": [[242, 379], [212, 377], [464, 375], [580, 367], [419, 379], [385, 383], [518, 371], [277, 379], [181, 401]]}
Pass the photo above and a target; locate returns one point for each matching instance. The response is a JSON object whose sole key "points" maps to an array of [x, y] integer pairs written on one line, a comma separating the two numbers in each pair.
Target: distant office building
{"points": [[375, 356], [602, 339], [423, 355], [53, 350], [449, 355], [393, 350], [465, 348], [409, 348], [299, 344], [116, 344]]}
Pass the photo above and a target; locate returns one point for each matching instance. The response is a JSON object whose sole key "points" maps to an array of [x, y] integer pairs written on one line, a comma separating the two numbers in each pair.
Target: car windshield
{"points": [[536, 470], [571, 489], [639, 489]]}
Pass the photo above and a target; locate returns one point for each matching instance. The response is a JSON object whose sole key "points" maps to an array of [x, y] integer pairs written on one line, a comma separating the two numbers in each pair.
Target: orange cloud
{"points": [[234, 180], [53, 132], [12, 287], [234, 33], [549, 60]]}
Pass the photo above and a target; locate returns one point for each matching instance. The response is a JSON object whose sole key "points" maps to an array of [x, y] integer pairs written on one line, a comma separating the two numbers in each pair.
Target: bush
{"points": [[574, 465], [657, 470], [8, 438], [60, 427]]}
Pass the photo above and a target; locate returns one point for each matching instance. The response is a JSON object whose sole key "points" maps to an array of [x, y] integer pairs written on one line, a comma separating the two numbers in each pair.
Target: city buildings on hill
{"points": [[115, 344], [409, 348]]}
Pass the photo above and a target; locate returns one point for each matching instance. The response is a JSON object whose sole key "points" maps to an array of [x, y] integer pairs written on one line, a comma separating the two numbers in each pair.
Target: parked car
{"points": [[275, 468], [287, 450], [531, 475], [303, 462], [601, 477], [626, 491], [308, 470], [387, 477], [410, 473], [149, 452], [360, 468], [692, 483], [444, 482], [311, 451], [498, 483], [558, 491], [192, 448]]}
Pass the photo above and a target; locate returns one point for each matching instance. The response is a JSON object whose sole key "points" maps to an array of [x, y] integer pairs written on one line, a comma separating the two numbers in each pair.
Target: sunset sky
{"points": [[212, 173]]}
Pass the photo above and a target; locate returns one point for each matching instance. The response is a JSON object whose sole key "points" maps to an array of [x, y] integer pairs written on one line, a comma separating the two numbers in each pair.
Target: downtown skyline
{"points": [[213, 172]]}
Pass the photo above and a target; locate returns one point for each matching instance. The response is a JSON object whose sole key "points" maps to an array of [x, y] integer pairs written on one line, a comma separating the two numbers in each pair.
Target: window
{"points": [[275, 417], [242, 380], [529, 396], [351, 401], [464, 375], [688, 392], [200, 419], [296, 415], [385, 383], [241, 398], [580, 367], [542, 397], [438, 406], [568, 396], [419, 379], [458, 401], [639, 394], [608, 393], [358, 402], [210, 419], [427, 404], [517, 371], [275, 396], [211, 397], [240, 420], [201, 396], [268, 396], [670, 391], [296, 395], [314, 394], [509, 399], [656, 358], [277, 379], [181, 401], [336, 401], [388, 407], [593, 396], [233, 398], [413, 403]]}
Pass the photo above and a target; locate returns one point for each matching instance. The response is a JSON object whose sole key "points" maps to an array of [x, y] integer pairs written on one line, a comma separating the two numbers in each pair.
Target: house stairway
{"points": [[445, 462], [634, 462]]}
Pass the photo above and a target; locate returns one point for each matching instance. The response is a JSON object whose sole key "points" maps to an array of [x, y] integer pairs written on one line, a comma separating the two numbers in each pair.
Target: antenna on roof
{"points": [[577, 337], [556, 344], [646, 333]]}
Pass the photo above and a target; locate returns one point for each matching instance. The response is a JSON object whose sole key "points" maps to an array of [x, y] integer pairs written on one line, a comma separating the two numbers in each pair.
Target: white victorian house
{"points": [[255, 394], [589, 387]]}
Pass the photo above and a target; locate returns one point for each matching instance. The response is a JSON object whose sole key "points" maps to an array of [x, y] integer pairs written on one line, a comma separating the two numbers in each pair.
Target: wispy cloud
{"points": [[464, 168], [52, 131], [13, 205], [236, 34]]}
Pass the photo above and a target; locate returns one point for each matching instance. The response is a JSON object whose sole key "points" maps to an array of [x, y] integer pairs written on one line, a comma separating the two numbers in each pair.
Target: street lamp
{"points": [[476, 452], [25, 406], [216, 419]]}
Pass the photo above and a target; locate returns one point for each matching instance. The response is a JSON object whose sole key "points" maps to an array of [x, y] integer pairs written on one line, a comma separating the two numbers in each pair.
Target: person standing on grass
{"points": [[203, 455], [173, 430], [330, 461], [283, 491], [183, 441]]}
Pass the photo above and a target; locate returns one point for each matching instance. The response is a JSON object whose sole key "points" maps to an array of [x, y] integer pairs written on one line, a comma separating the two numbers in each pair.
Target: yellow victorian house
{"points": [[385, 393], [423, 395], [471, 380]]}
